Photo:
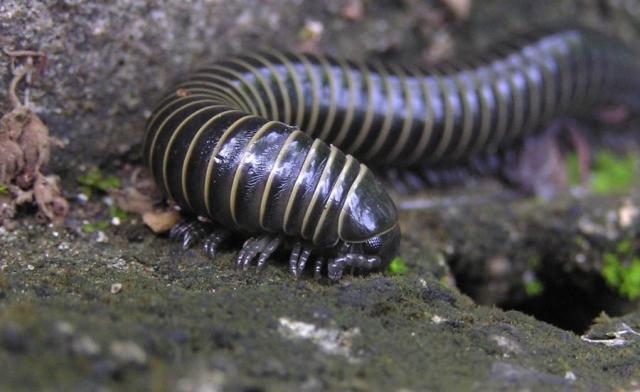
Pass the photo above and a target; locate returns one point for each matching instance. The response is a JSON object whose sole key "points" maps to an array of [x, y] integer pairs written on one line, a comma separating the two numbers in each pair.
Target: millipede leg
{"points": [[293, 259], [353, 260], [214, 240], [302, 261], [263, 245], [248, 244], [189, 232], [317, 269], [268, 251]]}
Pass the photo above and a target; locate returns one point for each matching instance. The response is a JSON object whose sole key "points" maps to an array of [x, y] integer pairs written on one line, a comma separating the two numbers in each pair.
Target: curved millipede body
{"points": [[255, 143]]}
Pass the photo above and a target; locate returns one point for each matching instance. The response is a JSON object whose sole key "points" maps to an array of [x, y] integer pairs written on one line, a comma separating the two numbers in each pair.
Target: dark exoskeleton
{"points": [[254, 143]]}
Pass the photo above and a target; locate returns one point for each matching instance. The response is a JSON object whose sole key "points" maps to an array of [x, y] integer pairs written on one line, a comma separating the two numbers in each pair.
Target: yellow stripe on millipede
{"points": [[297, 85], [315, 99], [326, 171], [233, 196], [325, 211], [351, 106], [331, 114], [264, 200], [192, 146], [407, 122], [427, 129], [448, 118], [385, 128], [281, 86], [363, 132], [174, 135], [311, 153], [212, 159], [265, 85], [161, 126], [261, 110], [162, 106]]}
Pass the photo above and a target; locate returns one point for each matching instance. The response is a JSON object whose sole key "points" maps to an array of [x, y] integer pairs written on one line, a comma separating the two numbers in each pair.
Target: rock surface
{"points": [[120, 308]]}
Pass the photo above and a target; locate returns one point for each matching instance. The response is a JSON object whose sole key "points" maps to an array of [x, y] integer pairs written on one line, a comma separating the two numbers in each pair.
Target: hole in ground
{"points": [[570, 300]]}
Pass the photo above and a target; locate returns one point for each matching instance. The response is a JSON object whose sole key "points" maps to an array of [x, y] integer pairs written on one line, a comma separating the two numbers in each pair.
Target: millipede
{"points": [[278, 146]]}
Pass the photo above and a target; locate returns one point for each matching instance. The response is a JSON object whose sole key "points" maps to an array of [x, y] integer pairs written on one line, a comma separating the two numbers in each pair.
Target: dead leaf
{"points": [[131, 199], [161, 221]]}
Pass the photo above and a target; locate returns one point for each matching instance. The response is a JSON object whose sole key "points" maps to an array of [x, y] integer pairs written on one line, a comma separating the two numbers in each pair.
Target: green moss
{"points": [[624, 248], [612, 174], [94, 180], [4, 190], [397, 266], [116, 212], [624, 278], [93, 227], [533, 288]]}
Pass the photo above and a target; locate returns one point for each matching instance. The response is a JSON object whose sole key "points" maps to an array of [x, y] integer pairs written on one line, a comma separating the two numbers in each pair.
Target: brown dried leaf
{"points": [[131, 199], [161, 221], [7, 208], [11, 159], [25, 149], [14, 121], [35, 142], [47, 195]]}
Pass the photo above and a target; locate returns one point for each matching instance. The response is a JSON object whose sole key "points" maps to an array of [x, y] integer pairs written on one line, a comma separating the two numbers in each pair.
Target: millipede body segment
{"points": [[255, 143]]}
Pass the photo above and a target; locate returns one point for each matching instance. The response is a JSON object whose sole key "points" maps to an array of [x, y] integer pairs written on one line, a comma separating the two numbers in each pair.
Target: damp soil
{"points": [[124, 308], [500, 292]]}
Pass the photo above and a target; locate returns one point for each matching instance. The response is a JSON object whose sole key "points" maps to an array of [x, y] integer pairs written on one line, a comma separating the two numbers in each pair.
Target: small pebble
{"points": [[101, 237], [64, 328], [438, 319], [128, 352], [85, 346], [116, 288], [312, 29], [627, 214]]}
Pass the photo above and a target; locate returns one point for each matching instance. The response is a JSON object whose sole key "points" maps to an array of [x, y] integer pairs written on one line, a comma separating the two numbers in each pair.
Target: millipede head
{"points": [[369, 219]]}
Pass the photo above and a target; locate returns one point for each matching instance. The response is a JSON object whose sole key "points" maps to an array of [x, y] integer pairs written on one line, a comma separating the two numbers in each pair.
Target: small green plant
{"points": [[94, 180], [397, 266], [114, 212], [90, 228], [4, 190], [612, 174], [533, 287], [117, 212], [624, 278]]}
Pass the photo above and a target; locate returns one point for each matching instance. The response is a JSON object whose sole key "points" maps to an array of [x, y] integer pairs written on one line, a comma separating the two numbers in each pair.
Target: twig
{"points": [[26, 70]]}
